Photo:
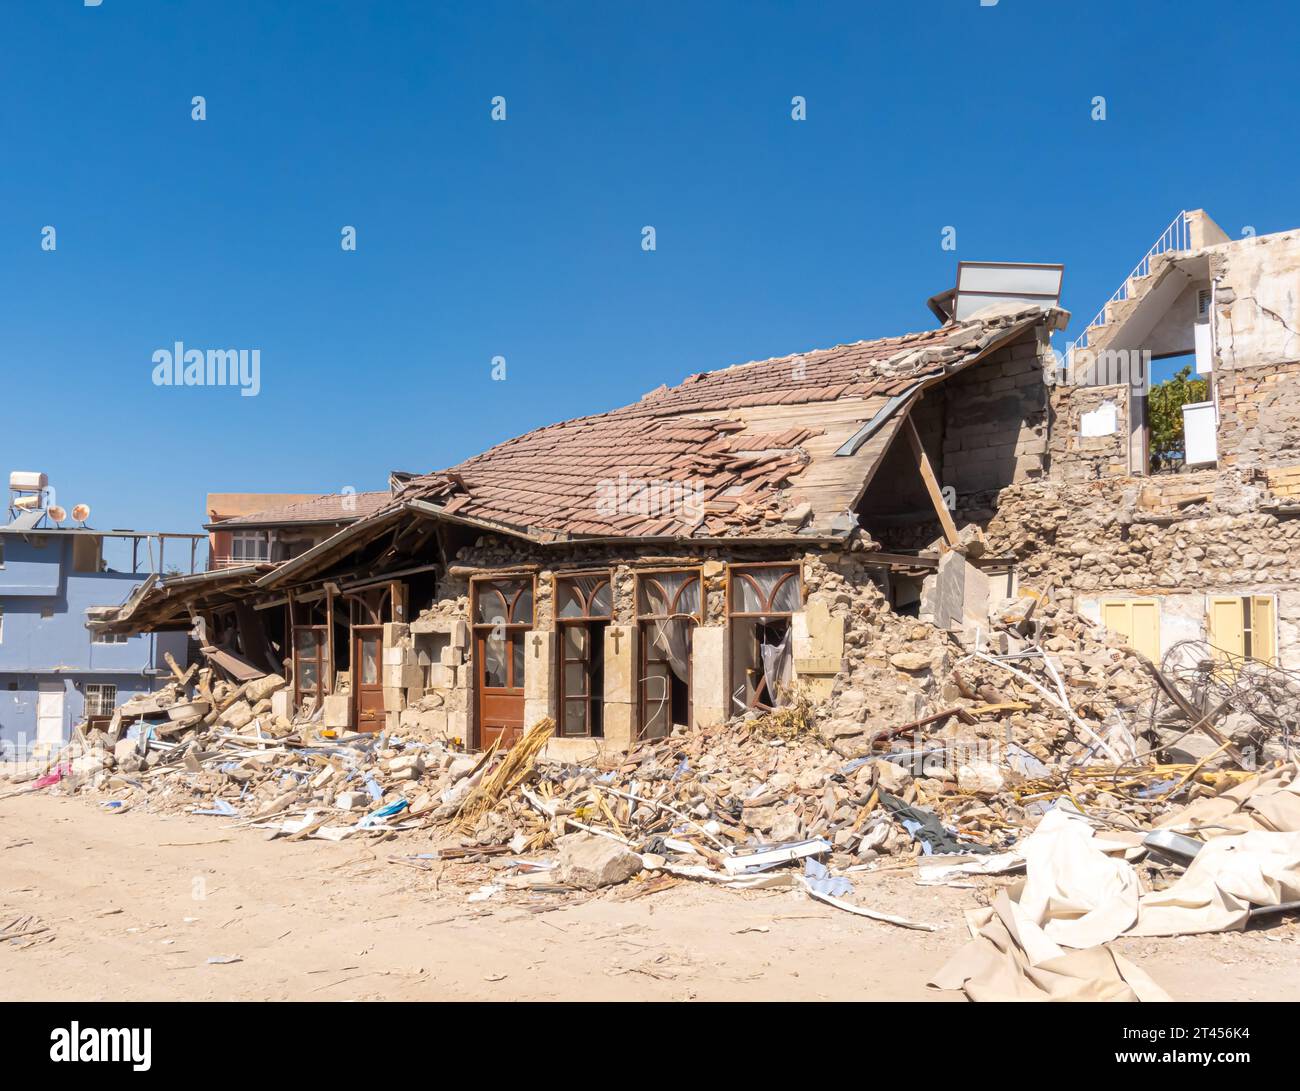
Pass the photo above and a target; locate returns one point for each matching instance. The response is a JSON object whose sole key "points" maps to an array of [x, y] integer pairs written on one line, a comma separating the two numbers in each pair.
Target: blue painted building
{"points": [[53, 672]]}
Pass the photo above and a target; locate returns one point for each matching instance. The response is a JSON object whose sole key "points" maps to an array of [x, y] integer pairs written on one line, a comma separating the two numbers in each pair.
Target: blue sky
{"points": [[522, 238]]}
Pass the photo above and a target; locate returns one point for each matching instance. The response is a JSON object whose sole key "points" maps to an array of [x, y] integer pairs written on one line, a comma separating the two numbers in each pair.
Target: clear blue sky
{"points": [[522, 238]]}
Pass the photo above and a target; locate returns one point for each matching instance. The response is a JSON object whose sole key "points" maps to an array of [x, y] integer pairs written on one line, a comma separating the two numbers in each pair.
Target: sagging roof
{"points": [[326, 508], [169, 603], [777, 448], [726, 453]]}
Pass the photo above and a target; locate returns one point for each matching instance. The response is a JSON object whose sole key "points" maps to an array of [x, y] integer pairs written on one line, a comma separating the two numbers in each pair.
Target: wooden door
{"points": [[500, 670], [367, 677], [309, 683], [503, 616]]}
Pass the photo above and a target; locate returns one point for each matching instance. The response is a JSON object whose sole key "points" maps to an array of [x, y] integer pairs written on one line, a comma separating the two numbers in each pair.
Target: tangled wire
{"points": [[1208, 676]]}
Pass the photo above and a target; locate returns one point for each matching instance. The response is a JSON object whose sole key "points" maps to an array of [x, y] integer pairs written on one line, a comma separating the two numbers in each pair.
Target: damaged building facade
{"points": [[797, 524], [1211, 554]]}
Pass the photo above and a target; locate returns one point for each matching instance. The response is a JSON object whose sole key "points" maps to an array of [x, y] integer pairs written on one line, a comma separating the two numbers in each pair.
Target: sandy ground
{"points": [[137, 903]]}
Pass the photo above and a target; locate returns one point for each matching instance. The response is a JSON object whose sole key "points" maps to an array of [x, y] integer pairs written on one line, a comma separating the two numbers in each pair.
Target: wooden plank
{"points": [[931, 482]]}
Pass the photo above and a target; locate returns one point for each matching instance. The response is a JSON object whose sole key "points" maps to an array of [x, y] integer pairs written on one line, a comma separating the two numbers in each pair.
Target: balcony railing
{"points": [[1177, 236]]}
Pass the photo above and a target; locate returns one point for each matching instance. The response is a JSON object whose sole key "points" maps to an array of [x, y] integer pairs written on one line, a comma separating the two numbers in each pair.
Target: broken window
{"points": [[668, 609], [583, 610], [309, 649], [762, 600]]}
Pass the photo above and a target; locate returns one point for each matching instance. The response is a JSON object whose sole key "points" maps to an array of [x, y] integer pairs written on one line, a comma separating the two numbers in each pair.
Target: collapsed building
{"points": [[805, 524]]}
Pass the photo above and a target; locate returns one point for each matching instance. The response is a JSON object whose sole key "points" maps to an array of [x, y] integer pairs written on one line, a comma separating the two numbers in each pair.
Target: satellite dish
{"points": [[81, 513], [56, 514]]}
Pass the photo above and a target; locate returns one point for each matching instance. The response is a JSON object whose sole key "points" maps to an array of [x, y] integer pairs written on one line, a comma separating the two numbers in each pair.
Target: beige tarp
{"points": [[1268, 801], [1010, 958], [1080, 893]]}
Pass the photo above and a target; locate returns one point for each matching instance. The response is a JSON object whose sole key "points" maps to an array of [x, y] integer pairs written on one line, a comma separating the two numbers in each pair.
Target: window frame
{"points": [[741, 570], [513, 629], [588, 622], [643, 650], [243, 538], [98, 689]]}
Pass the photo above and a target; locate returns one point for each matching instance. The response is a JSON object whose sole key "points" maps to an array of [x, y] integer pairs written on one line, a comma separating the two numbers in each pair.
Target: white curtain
{"points": [[494, 649], [672, 640], [778, 664]]}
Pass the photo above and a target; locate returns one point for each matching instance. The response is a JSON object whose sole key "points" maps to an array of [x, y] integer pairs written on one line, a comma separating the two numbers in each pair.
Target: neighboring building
{"points": [[1212, 552], [54, 672], [690, 556], [251, 528]]}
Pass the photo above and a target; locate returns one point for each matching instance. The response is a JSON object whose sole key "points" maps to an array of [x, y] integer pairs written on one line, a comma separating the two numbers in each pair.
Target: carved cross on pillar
{"points": [[617, 634], [537, 646]]}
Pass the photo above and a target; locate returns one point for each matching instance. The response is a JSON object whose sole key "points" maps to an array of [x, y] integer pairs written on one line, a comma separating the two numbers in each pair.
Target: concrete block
{"points": [[620, 725], [816, 634], [458, 724], [440, 677], [539, 666], [620, 664], [709, 674], [394, 699], [452, 656], [395, 632], [338, 710]]}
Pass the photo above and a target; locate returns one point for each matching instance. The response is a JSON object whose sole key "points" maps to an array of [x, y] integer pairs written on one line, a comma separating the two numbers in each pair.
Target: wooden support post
{"points": [[327, 685], [931, 482]]}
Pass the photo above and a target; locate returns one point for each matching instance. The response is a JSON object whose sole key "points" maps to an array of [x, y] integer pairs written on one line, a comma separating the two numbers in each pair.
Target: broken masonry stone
{"points": [[590, 862]]}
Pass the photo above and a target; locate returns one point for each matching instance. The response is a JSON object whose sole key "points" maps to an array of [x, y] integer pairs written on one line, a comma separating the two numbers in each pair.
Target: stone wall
{"points": [[1076, 457], [1257, 301], [445, 707], [1259, 415], [1185, 535], [995, 425]]}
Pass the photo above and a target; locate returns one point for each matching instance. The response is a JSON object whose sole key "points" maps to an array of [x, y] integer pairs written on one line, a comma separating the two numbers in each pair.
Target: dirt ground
{"points": [[137, 904]]}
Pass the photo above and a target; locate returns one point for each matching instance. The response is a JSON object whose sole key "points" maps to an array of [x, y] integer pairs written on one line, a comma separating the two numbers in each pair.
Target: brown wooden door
{"points": [[500, 670], [503, 614], [368, 677]]}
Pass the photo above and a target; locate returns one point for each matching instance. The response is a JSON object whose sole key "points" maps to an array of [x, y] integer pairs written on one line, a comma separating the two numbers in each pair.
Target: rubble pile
{"points": [[1034, 713]]}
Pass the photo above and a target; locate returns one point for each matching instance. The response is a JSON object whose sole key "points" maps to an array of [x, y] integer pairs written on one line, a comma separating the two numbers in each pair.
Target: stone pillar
{"points": [[818, 640], [620, 686], [539, 670], [709, 674]]}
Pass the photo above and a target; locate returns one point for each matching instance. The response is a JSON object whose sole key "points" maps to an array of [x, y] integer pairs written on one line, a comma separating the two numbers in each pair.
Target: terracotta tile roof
{"points": [[327, 508], [723, 453]]}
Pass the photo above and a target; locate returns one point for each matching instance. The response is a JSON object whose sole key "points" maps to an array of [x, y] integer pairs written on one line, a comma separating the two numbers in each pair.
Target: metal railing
{"points": [[1177, 236]]}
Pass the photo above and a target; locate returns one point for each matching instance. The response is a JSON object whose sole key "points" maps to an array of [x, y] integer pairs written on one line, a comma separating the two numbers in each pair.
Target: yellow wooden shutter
{"points": [[1117, 617], [1138, 621], [1263, 629], [1227, 628], [1145, 634]]}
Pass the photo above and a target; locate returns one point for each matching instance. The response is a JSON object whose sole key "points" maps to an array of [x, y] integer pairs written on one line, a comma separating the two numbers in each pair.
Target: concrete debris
{"points": [[589, 862]]}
